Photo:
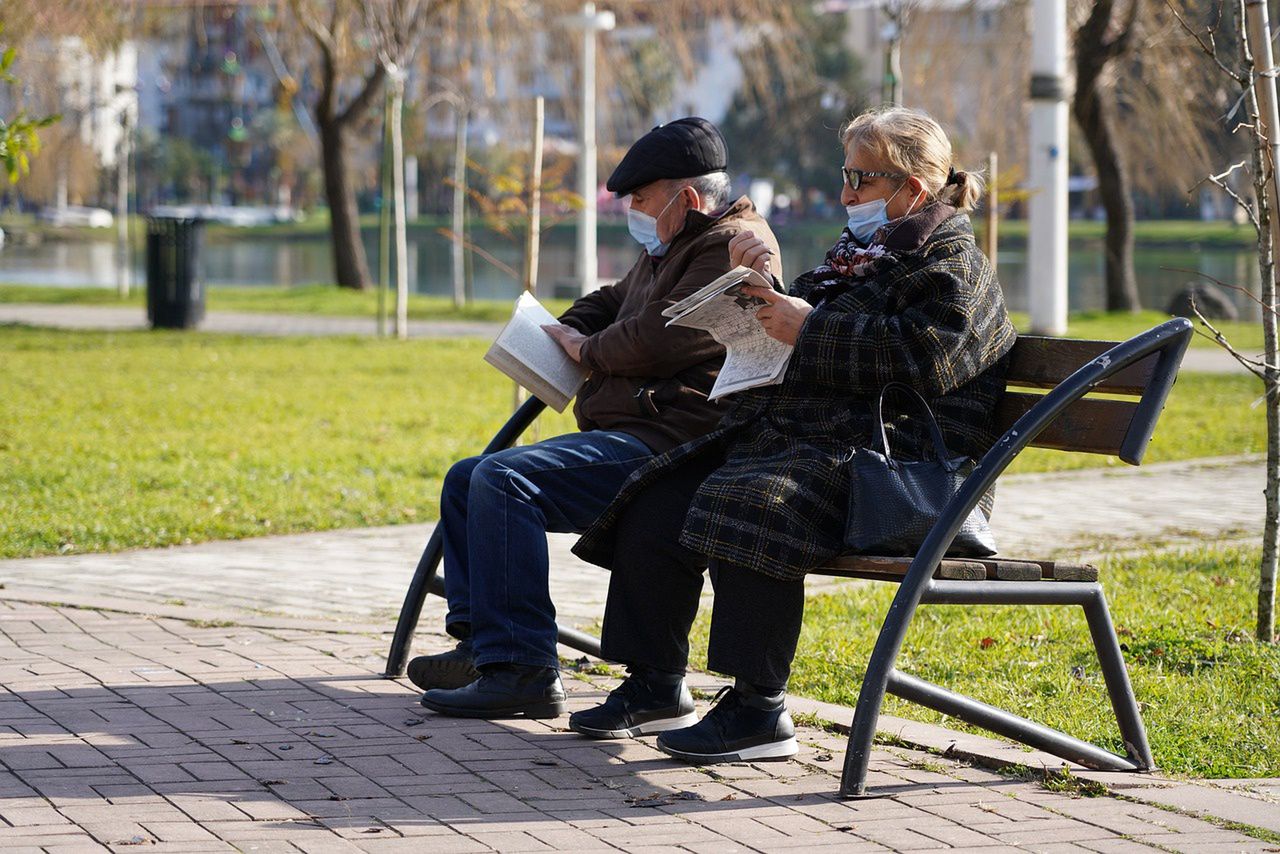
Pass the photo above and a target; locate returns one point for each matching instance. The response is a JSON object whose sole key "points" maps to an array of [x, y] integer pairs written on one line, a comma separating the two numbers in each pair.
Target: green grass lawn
{"points": [[1210, 694], [120, 440]]}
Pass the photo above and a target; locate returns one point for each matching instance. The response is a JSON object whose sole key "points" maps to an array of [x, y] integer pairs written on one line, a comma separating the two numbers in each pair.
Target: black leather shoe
{"points": [[503, 691], [452, 669], [637, 707], [742, 726]]}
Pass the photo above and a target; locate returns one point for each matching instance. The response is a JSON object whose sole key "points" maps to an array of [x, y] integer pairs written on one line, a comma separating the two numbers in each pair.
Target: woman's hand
{"points": [[783, 316], [747, 250], [568, 338]]}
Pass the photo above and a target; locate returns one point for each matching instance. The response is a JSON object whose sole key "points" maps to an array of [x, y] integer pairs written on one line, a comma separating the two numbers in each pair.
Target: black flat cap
{"points": [[684, 148]]}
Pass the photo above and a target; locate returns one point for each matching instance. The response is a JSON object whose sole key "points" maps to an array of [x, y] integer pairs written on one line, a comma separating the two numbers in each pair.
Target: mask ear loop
{"points": [[900, 220], [678, 194]]}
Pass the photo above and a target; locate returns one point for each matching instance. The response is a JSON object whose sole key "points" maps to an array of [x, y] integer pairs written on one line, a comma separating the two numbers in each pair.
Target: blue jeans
{"points": [[496, 511]]}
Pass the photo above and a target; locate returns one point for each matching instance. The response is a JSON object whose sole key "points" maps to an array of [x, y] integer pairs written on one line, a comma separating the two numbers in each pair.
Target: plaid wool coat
{"points": [[935, 320]]}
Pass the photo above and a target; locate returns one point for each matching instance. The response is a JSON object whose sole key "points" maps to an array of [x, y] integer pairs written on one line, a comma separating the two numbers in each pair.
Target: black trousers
{"points": [[656, 582]]}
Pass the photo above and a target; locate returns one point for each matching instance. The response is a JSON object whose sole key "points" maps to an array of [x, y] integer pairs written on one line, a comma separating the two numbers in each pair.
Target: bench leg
{"points": [[866, 714], [1120, 690], [425, 580]]}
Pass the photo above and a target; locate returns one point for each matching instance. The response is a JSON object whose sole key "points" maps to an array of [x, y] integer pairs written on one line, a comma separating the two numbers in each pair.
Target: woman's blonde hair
{"points": [[910, 141]]}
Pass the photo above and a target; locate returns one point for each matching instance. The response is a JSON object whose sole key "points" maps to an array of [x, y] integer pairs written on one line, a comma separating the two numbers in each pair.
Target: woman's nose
{"points": [[848, 196]]}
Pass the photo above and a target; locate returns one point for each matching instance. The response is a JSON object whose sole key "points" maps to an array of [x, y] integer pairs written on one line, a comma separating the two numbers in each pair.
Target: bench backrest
{"points": [[1091, 425]]}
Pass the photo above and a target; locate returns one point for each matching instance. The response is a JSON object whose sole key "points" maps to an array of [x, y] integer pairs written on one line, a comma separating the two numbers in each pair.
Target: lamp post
{"points": [[1047, 173], [590, 22]]}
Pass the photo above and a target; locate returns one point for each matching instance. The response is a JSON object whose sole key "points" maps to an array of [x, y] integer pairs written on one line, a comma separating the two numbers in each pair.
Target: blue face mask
{"points": [[644, 229], [866, 219]]}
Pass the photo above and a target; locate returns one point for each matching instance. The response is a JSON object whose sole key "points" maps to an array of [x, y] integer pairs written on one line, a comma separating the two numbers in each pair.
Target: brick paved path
{"points": [[250, 323], [129, 733], [362, 574]]}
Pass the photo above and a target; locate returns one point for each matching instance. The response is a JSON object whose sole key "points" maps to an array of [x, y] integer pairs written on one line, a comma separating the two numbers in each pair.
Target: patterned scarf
{"points": [[845, 264]]}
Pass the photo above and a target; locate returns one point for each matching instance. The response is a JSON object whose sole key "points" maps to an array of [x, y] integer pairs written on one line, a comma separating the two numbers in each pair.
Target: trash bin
{"points": [[175, 294]]}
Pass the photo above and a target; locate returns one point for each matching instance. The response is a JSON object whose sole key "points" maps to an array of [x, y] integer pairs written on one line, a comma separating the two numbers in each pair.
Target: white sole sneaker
{"points": [[773, 750], [648, 728]]}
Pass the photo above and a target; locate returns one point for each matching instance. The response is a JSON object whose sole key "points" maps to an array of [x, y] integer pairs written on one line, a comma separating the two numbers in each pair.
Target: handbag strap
{"points": [[935, 432]]}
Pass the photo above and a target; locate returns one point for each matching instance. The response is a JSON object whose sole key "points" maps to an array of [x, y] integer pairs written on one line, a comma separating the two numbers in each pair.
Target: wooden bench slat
{"points": [[877, 568], [1088, 426], [1037, 362]]}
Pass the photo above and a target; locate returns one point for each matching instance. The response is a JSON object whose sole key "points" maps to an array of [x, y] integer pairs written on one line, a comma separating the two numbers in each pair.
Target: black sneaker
{"points": [[503, 691], [637, 707], [741, 726], [452, 669]]}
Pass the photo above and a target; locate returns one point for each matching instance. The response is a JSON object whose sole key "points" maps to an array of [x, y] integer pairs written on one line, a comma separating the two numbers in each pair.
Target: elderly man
{"points": [[647, 393]]}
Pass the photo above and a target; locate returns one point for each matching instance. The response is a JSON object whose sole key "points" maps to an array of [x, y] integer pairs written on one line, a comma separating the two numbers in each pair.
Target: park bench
{"points": [[1051, 403]]}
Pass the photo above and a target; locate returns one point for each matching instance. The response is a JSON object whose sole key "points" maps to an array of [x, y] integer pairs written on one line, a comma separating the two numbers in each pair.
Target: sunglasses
{"points": [[853, 177]]}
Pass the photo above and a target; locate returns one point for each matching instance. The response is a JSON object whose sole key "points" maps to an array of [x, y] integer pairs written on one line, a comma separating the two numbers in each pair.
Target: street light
{"points": [[590, 22]]}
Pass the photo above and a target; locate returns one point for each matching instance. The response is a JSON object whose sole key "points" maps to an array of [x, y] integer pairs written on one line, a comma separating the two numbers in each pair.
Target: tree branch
{"points": [[1208, 45], [1220, 182], [361, 102]]}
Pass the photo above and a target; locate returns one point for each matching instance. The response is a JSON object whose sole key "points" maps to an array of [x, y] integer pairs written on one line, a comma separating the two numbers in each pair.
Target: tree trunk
{"points": [[350, 266], [1092, 111]]}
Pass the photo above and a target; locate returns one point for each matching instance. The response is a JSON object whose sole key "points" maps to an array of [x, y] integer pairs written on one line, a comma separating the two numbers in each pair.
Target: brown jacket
{"points": [[647, 379]]}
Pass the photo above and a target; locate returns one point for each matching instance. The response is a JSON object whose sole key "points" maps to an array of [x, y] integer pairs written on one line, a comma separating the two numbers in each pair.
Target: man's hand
{"points": [[747, 250], [783, 316], [568, 338]]}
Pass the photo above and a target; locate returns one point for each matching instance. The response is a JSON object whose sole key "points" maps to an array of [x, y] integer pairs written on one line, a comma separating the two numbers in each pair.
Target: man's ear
{"points": [[696, 202]]}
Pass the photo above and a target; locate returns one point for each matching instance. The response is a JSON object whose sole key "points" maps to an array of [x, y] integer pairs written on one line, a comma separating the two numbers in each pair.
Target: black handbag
{"points": [[894, 503]]}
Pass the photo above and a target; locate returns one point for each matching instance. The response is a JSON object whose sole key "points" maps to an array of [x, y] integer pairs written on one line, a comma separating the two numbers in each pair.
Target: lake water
{"points": [[305, 260]]}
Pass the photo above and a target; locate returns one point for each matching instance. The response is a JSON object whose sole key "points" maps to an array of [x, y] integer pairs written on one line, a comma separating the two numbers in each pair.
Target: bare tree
{"points": [[1258, 122], [333, 27], [396, 29], [1099, 42]]}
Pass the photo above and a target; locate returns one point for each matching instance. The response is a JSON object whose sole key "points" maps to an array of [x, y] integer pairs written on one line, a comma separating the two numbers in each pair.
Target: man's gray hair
{"points": [[713, 188]]}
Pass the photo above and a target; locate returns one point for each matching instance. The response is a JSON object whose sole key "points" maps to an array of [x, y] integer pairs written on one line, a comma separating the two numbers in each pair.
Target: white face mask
{"points": [[644, 228]]}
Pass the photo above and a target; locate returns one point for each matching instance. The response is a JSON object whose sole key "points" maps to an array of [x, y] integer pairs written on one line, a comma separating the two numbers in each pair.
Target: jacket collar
{"points": [[914, 230], [697, 222]]}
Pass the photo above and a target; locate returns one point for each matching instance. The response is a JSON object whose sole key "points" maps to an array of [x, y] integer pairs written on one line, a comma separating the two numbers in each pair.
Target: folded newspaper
{"points": [[752, 358], [525, 352]]}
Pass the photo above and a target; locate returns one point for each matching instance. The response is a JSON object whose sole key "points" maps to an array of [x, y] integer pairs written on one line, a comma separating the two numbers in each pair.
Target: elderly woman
{"points": [[904, 295]]}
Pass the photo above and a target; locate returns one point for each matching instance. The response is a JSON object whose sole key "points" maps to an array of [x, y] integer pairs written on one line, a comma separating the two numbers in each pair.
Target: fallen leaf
{"points": [[987, 643]]}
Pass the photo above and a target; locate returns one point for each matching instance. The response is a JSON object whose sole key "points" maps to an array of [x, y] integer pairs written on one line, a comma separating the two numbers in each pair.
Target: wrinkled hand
{"points": [[747, 250], [568, 338], [783, 316]]}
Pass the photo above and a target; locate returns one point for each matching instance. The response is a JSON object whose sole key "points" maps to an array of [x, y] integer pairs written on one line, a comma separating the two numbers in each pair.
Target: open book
{"points": [[525, 352], [752, 358]]}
